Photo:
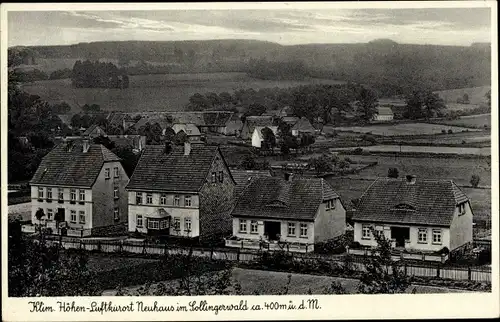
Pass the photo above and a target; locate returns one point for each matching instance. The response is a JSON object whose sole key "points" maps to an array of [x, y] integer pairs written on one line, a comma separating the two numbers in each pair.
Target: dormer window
{"points": [[40, 193]]}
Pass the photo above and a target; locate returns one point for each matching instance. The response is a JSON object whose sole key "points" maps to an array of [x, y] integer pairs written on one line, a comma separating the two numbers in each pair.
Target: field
{"points": [[107, 262], [483, 151], [403, 129], [476, 94], [21, 211], [168, 92], [473, 121]]}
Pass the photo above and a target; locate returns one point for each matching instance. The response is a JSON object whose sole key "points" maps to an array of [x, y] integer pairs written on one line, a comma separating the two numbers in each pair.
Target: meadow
{"points": [[403, 129], [165, 92], [481, 151], [473, 121], [477, 95]]}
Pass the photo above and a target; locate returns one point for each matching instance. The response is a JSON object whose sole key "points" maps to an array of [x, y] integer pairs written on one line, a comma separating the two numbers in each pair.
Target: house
{"points": [[258, 138], [303, 126], [244, 177], [152, 120], [207, 121], [81, 189], [291, 214], [290, 120], [190, 129], [181, 191], [384, 114], [251, 122], [233, 125], [135, 141], [94, 131], [416, 215]]}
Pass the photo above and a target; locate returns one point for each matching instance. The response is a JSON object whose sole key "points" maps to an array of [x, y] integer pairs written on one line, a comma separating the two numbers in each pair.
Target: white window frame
{"points": [[138, 197], [254, 227], [214, 177], [163, 199], [422, 236], [60, 194], [243, 226], [73, 216], [81, 195], [366, 232], [116, 194], [153, 224], [116, 173], [187, 201], [81, 215], [187, 224], [292, 229], [149, 198], [177, 223], [50, 214], [177, 200], [116, 214], [49, 193], [139, 221], [221, 176], [40, 192], [107, 174], [303, 230], [437, 233], [72, 194]]}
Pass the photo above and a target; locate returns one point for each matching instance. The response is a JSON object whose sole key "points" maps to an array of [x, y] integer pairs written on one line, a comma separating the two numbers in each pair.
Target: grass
{"points": [[167, 92], [99, 262], [476, 94], [422, 149], [403, 129], [473, 121]]}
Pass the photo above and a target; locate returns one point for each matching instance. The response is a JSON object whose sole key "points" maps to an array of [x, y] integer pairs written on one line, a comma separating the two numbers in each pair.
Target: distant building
{"points": [[94, 131], [303, 126], [258, 138], [173, 189], [253, 121], [81, 189], [384, 114], [190, 129], [415, 215], [294, 214], [233, 125]]}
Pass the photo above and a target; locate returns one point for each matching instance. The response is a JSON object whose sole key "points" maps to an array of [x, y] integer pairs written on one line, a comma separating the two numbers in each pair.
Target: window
{"points": [[163, 199], [187, 224], [82, 195], [291, 229], [163, 224], [49, 194], [40, 193], [243, 226], [116, 172], [60, 194], [116, 195], [436, 236], [422, 235], [138, 198], [50, 214], [106, 173], [149, 198], [214, 177], [187, 201], [139, 221], [303, 230], [254, 227], [116, 214], [82, 217], [73, 216], [73, 195], [177, 201], [330, 204], [153, 224], [366, 233], [177, 223], [221, 176], [461, 208]]}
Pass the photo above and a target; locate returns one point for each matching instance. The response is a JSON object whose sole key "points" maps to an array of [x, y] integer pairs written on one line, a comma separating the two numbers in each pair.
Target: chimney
{"points": [[411, 179], [187, 148], [86, 145]]}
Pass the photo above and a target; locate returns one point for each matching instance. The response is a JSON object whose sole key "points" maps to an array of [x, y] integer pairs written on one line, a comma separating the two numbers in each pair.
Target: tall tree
{"points": [[423, 103], [268, 139], [367, 104]]}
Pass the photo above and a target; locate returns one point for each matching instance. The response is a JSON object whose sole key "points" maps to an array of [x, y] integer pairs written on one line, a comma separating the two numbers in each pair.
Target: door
{"points": [[400, 234], [61, 215], [272, 229]]}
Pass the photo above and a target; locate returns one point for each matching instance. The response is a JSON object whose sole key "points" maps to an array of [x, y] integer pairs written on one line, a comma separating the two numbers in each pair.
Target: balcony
{"points": [[269, 245]]}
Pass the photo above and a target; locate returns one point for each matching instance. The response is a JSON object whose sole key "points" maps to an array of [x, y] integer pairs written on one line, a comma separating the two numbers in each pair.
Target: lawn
{"points": [[474, 151], [167, 92], [477, 95], [403, 129], [473, 121], [99, 262]]}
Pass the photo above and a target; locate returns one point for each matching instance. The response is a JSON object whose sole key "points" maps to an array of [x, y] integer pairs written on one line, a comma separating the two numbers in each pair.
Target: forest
{"points": [[97, 74]]}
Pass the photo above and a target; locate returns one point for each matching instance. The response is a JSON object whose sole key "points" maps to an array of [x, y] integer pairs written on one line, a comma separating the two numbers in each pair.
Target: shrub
{"points": [[443, 131], [347, 159], [450, 131], [474, 180], [357, 151], [369, 138], [463, 142], [393, 173]]}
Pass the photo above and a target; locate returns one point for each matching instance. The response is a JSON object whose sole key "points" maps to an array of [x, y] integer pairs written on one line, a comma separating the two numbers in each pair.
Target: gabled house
{"points": [[303, 126], [181, 191], [258, 137], [81, 189], [233, 125], [190, 129], [253, 121], [294, 214], [383, 114], [94, 131], [244, 177], [422, 216]]}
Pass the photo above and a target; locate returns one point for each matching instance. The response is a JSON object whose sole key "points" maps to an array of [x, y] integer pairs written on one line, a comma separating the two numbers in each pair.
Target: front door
{"points": [[400, 234], [61, 214], [272, 229]]}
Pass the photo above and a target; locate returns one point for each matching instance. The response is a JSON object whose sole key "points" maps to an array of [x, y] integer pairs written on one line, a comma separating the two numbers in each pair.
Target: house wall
{"points": [[104, 201], [78, 206], [246, 132], [383, 117], [461, 227], [256, 139], [217, 201], [414, 244], [284, 230], [329, 223]]}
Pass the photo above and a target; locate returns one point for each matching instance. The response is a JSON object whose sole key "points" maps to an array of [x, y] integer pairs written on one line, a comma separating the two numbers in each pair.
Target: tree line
{"points": [[88, 74]]}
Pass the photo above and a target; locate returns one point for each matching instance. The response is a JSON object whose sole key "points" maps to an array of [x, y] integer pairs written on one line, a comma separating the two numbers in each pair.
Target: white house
{"points": [[293, 214], [416, 215], [383, 114], [80, 188], [257, 136]]}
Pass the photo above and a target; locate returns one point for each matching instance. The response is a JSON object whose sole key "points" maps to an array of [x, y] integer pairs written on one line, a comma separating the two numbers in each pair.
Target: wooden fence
{"points": [[478, 274]]}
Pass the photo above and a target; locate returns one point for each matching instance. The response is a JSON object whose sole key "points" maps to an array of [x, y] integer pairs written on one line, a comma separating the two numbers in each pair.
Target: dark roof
{"points": [[92, 128], [159, 171], [72, 167], [303, 125], [272, 197], [243, 177], [384, 110], [425, 202]]}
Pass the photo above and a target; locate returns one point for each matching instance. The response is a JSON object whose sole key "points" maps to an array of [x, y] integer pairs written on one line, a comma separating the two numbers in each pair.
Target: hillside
{"points": [[386, 65]]}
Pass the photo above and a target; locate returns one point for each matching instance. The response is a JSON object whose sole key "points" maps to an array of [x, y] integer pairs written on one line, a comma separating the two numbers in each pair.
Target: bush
{"points": [[393, 173], [357, 151], [450, 131], [443, 131], [463, 142], [474, 180], [369, 138], [347, 159]]}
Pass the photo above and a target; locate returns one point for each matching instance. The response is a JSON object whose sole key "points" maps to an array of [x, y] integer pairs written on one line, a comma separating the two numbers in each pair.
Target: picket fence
{"points": [[478, 274]]}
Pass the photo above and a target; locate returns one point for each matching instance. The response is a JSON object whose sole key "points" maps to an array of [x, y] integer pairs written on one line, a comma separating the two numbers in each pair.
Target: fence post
{"points": [[99, 246], [438, 271], [238, 255], [406, 269], [144, 247], [121, 245], [81, 244], [469, 273], [211, 253]]}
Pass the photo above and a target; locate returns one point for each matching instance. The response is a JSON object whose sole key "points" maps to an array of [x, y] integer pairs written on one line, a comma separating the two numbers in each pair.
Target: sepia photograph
{"points": [[195, 151]]}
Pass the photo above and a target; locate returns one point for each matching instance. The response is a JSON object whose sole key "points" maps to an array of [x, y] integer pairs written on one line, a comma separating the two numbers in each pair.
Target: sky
{"points": [[440, 26]]}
